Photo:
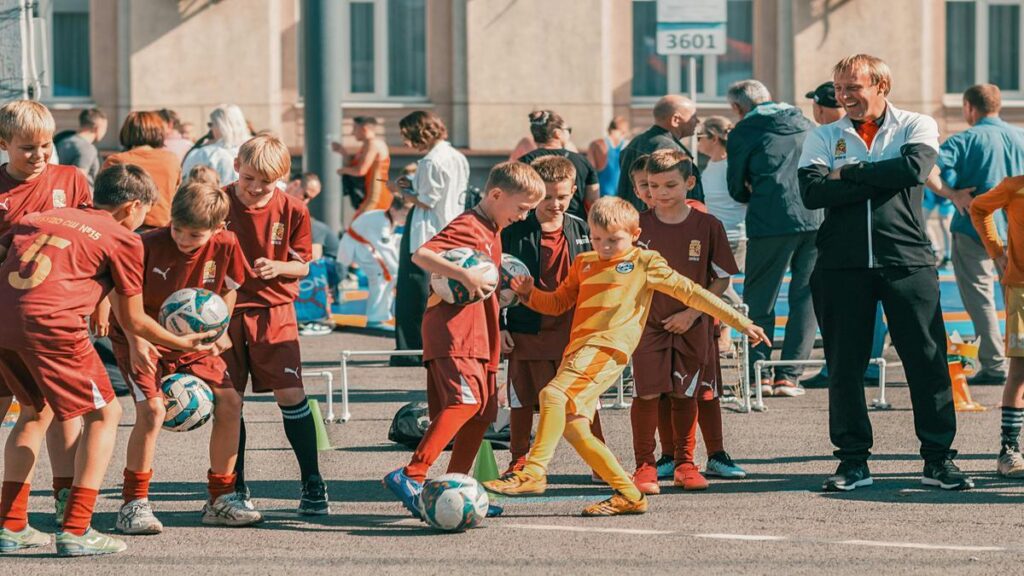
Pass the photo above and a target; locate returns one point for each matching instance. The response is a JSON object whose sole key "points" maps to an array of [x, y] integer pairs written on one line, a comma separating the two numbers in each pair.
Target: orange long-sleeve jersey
{"points": [[613, 297], [1009, 194]]}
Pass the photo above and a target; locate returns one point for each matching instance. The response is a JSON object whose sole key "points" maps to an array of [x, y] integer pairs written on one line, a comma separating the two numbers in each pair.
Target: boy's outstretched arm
{"points": [[549, 303]]}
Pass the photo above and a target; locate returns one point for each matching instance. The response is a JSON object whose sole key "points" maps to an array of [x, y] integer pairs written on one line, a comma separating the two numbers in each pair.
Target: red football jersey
{"points": [[278, 231], [60, 264], [57, 187], [693, 247], [469, 331], [550, 342], [219, 266]]}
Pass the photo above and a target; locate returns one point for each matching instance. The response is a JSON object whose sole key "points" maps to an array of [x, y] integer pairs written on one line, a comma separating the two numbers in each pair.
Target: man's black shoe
{"points": [[850, 475], [945, 474], [819, 380], [987, 380]]}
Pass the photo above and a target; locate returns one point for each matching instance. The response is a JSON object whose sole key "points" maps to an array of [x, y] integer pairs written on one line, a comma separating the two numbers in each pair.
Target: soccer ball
{"points": [[452, 291], [194, 310], [189, 402], [510, 268], [453, 502]]}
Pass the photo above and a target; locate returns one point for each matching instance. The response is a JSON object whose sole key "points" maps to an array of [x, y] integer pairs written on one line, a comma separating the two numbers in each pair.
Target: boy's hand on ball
{"points": [[477, 284], [195, 342], [523, 286], [265, 268], [756, 335], [221, 345]]}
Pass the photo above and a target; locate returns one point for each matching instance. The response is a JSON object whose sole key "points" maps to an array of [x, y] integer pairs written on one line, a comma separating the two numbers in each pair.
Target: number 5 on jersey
{"points": [[43, 264]]}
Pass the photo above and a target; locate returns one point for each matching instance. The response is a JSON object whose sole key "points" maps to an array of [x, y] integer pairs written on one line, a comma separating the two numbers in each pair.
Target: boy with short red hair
{"points": [[461, 345]]}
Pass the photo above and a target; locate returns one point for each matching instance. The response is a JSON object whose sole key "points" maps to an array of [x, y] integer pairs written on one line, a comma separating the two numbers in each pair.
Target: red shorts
{"points": [[264, 346], [455, 381], [209, 369], [526, 378], [668, 371], [72, 380]]}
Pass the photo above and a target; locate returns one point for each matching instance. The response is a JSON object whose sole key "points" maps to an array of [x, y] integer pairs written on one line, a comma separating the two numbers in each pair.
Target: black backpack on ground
{"points": [[412, 420]]}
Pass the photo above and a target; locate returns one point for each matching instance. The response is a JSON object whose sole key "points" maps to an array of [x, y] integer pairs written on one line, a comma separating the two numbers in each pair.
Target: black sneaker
{"points": [[945, 474], [819, 380], [850, 475], [314, 497]]}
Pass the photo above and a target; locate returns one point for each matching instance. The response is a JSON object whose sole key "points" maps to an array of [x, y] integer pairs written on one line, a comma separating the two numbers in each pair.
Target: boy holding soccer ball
{"points": [[59, 265], [195, 251], [461, 346]]}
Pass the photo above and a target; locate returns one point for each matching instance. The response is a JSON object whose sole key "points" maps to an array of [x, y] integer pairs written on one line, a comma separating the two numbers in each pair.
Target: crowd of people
{"points": [[631, 247]]}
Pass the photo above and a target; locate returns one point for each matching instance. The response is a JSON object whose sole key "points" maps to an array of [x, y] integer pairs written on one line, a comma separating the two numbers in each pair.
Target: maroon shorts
{"points": [[526, 378], [668, 371], [456, 381], [265, 347], [72, 380], [209, 369]]}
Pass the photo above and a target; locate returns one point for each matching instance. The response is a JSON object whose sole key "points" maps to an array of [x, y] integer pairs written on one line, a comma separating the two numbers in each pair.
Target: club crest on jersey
{"points": [[624, 267], [840, 151], [694, 250], [277, 233], [209, 272], [60, 199]]}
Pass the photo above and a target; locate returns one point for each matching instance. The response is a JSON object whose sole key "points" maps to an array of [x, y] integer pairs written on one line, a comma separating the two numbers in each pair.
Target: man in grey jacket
{"points": [[764, 149]]}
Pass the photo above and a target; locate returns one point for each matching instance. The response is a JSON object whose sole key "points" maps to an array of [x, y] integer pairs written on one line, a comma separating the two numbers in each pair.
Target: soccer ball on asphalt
{"points": [[510, 268], [453, 502], [452, 291], [189, 402], [194, 310]]}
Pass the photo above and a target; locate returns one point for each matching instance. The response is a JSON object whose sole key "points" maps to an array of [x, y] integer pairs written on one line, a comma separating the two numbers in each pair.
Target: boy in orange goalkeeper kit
{"points": [[611, 289]]}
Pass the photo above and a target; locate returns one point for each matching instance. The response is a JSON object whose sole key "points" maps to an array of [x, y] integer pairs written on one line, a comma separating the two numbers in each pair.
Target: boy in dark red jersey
{"points": [[274, 232], [677, 354], [59, 265], [28, 184], [461, 344], [195, 251]]}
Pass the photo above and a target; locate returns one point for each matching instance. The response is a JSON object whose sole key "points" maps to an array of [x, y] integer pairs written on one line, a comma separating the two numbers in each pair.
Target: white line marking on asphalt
{"points": [[748, 537], [922, 546], [593, 530]]}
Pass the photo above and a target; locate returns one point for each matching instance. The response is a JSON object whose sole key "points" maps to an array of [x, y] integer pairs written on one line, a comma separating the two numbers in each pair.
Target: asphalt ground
{"points": [[774, 522]]}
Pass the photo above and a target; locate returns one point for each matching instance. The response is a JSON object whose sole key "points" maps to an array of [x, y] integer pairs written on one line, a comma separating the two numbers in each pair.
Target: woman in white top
{"points": [[228, 131]]}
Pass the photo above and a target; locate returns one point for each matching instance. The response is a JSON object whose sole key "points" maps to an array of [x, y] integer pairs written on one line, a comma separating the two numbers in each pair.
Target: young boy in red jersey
{"points": [[59, 265], [547, 241], [677, 354], [461, 344], [195, 251], [28, 184], [274, 232]]}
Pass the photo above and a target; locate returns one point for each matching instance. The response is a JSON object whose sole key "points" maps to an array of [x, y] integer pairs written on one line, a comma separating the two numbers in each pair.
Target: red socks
{"points": [[710, 418], [643, 417], [78, 514], [219, 484], [668, 445], [684, 422], [136, 485], [520, 424], [14, 505], [467, 444], [442, 430]]}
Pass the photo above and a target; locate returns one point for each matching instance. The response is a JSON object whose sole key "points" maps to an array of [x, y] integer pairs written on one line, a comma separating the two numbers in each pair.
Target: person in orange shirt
{"points": [[611, 288], [372, 163], [1009, 259], [142, 136]]}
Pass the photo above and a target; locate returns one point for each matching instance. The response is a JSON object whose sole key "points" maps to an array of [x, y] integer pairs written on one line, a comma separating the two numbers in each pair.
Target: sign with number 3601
{"points": [[694, 39]]}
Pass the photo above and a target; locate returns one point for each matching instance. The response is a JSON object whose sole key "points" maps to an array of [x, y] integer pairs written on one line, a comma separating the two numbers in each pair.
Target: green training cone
{"points": [[486, 468], [322, 441]]}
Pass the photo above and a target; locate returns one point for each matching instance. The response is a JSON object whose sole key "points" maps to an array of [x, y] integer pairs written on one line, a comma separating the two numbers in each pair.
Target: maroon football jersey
{"points": [[57, 187]]}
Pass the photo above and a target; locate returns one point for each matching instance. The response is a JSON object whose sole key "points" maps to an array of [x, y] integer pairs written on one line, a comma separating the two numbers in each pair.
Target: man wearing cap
{"points": [[826, 110]]}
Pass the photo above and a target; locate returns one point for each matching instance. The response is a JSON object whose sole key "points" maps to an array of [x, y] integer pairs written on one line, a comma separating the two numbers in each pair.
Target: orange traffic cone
{"points": [[962, 400]]}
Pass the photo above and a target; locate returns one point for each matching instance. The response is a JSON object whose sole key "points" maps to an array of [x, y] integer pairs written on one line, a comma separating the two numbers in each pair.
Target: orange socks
{"points": [[136, 485], [78, 514], [218, 485], [643, 417], [14, 505], [442, 430]]}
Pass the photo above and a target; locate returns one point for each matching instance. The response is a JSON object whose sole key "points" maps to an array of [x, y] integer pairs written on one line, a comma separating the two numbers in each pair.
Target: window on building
{"points": [[655, 75], [983, 44], [386, 48], [65, 44]]}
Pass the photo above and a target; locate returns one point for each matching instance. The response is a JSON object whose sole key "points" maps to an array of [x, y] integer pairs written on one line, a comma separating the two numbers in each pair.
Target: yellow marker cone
{"points": [[323, 443], [486, 468]]}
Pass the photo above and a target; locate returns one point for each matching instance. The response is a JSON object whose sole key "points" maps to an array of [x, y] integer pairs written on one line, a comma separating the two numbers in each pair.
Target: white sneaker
{"points": [[229, 510], [136, 517], [1010, 464]]}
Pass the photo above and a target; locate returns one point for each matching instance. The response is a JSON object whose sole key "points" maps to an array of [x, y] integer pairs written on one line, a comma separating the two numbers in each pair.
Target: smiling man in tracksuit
{"points": [[867, 171]]}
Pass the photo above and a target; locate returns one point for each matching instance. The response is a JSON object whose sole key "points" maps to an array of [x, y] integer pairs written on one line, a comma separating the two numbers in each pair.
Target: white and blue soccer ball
{"points": [[452, 291], [510, 268], [453, 502], [194, 310], [189, 402]]}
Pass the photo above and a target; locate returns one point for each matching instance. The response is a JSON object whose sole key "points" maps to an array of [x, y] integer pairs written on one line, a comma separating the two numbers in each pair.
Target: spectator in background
{"points": [[173, 140], [764, 149], [188, 131], [552, 134], [437, 192], [228, 131], [941, 239], [325, 251], [203, 174], [675, 118], [604, 154], [371, 163], [825, 109], [970, 164], [79, 149], [142, 137]]}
